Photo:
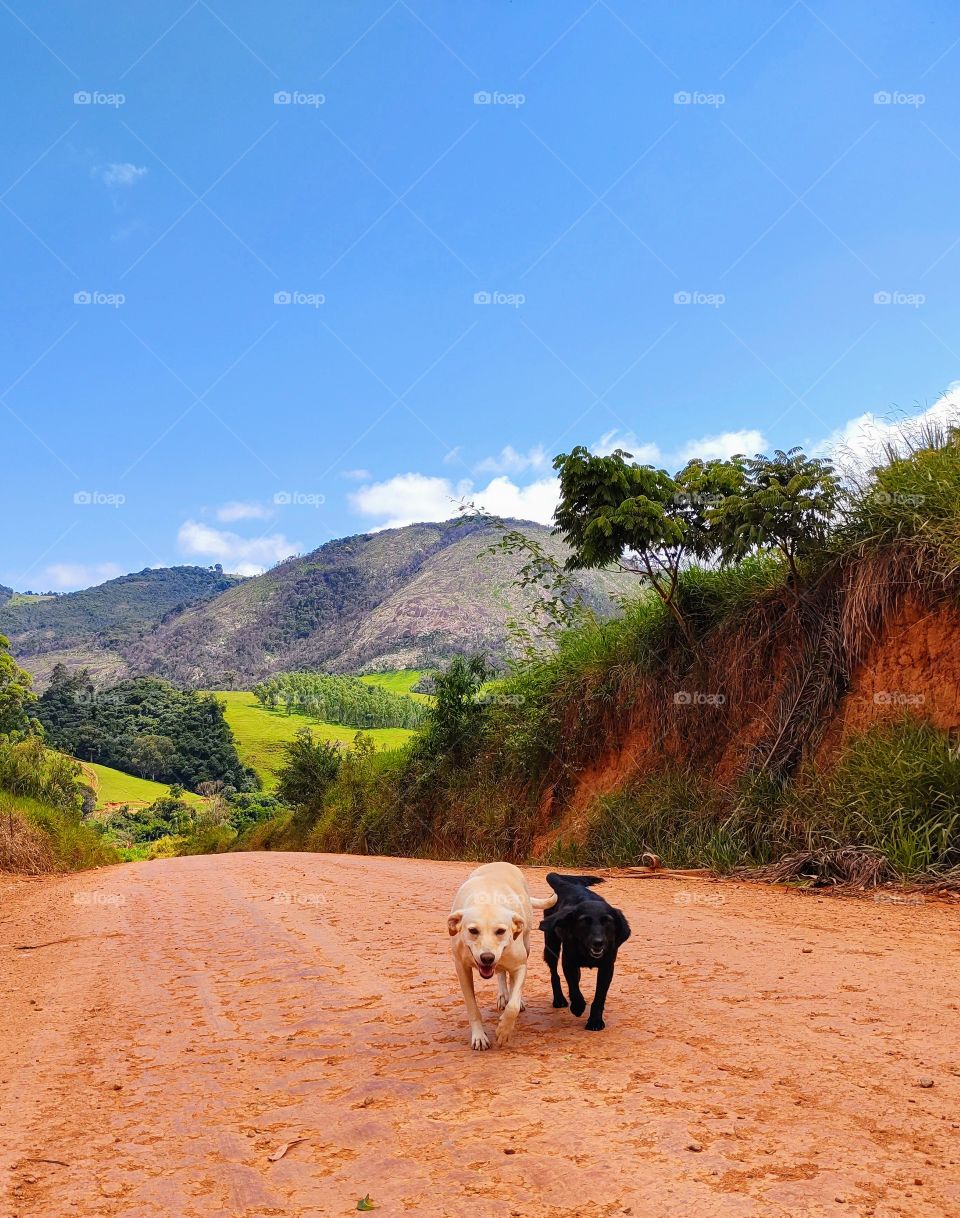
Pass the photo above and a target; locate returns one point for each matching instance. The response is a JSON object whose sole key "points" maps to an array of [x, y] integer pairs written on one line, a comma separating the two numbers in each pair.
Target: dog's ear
{"points": [[454, 922], [621, 927], [519, 926]]}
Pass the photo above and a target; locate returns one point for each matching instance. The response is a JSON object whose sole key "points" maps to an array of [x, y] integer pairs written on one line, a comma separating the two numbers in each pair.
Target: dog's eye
{"points": [[501, 930], [474, 931]]}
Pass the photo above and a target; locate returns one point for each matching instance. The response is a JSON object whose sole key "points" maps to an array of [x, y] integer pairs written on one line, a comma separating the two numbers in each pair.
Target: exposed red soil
{"points": [[913, 668], [169, 1025]]}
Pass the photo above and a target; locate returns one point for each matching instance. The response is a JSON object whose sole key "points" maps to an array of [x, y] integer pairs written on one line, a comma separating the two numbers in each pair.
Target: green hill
{"points": [[96, 625]]}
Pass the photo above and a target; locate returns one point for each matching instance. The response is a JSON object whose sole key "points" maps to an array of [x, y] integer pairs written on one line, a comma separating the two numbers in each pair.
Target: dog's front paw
{"points": [[479, 1040], [505, 1030], [560, 1002], [595, 1024], [502, 1001], [578, 1004]]}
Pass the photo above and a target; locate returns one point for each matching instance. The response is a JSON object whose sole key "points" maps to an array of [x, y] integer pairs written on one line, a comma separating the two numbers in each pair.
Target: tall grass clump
{"points": [[894, 789]]}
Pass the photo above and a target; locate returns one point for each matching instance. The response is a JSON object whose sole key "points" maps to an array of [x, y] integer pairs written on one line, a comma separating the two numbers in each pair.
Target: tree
{"points": [[638, 517], [455, 718], [152, 755], [16, 697], [309, 768], [786, 502]]}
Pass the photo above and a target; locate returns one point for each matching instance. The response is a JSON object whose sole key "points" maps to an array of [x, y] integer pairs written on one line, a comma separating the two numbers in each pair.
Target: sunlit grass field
{"points": [[260, 734], [400, 682], [115, 787]]}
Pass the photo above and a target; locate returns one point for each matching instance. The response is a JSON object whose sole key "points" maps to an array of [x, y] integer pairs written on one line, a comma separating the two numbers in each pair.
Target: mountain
{"points": [[5, 594], [401, 598], [95, 627]]}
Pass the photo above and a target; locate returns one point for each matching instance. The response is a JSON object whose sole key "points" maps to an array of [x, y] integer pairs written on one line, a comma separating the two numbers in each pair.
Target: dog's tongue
{"points": [[485, 971]]}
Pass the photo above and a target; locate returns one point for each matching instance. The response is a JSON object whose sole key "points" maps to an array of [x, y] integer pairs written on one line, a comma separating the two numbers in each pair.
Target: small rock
{"points": [[925, 1081], [695, 1146], [508, 1150], [806, 950]]}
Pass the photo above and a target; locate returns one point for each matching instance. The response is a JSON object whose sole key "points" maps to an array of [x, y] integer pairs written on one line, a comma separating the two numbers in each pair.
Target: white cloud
{"points": [[123, 173], [512, 462], [410, 498], [236, 510], [357, 475], [725, 444], [643, 452], [242, 555], [859, 443], [453, 455], [68, 576], [719, 447]]}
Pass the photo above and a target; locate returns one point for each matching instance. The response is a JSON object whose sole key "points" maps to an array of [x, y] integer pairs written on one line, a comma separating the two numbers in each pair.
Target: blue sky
{"points": [[503, 229]]}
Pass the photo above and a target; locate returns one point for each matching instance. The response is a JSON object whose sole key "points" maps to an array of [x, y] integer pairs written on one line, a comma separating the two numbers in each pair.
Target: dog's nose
{"points": [[487, 958]]}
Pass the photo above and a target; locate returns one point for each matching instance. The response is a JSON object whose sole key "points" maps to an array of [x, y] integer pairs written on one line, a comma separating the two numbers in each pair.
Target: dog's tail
{"points": [[544, 902], [581, 881]]}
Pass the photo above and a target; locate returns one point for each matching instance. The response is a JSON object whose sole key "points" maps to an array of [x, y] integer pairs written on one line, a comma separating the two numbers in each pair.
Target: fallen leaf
{"points": [[282, 1150], [366, 1203]]}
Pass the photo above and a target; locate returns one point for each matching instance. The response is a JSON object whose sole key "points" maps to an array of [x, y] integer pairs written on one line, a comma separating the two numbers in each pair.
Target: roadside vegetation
{"points": [[761, 585]]}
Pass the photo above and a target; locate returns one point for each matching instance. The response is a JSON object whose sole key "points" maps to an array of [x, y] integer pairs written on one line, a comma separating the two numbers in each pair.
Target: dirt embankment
{"points": [[911, 666], [169, 1026]]}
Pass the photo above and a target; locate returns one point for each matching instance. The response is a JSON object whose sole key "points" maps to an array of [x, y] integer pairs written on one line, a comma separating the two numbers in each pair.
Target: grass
{"points": [[36, 838], [260, 734], [401, 681], [116, 787]]}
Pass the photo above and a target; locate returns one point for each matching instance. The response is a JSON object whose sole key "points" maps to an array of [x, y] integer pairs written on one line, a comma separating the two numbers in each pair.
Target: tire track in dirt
{"points": [[224, 1005]]}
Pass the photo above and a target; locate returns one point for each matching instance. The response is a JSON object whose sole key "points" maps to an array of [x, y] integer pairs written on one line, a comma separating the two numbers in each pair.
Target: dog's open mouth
{"points": [[596, 952], [486, 971]]}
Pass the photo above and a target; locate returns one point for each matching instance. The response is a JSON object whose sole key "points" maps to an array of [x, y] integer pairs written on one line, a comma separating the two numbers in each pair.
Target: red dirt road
{"points": [[197, 1013]]}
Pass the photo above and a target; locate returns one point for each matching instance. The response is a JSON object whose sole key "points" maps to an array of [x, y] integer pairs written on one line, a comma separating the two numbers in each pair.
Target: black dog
{"points": [[588, 931]]}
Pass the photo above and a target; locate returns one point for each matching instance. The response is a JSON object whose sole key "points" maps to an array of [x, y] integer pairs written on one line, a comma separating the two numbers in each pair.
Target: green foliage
{"points": [[786, 502], [144, 725], [29, 768], [16, 698], [334, 699], [913, 498], [454, 722], [308, 770], [610, 507], [895, 788]]}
